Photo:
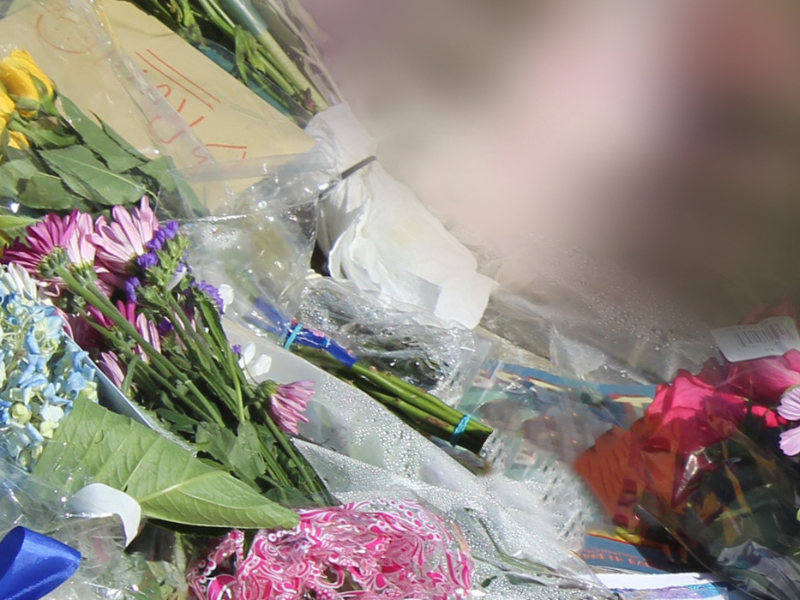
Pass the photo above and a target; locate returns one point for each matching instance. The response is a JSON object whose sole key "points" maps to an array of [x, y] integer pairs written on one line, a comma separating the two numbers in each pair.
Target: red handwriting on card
{"points": [[61, 30], [191, 100]]}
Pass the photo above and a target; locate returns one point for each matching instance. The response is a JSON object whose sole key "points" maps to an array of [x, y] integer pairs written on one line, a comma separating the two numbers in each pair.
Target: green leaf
{"points": [[161, 169], [20, 168], [117, 158], [121, 141], [12, 226], [46, 192], [168, 482], [10, 174], [239, 452], [43, 138], [14, 222], [81, 169]]}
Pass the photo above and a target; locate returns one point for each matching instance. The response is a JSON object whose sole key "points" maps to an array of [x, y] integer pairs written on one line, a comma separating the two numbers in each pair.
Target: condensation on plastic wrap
{"points": [[594, 339], [441, 358], [71, 43], [523, 548], [259, 241], [105, 573]]}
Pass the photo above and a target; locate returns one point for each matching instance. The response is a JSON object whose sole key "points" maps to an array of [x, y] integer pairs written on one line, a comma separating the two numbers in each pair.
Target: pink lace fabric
{"points": [[365, 551]]}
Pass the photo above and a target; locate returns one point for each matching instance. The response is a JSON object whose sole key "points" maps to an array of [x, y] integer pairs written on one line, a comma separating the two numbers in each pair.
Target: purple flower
{"points": [[289, 403], [147, 261], [212, 292], [237, 349], [167, 232], [130, 288], [165, 327]]}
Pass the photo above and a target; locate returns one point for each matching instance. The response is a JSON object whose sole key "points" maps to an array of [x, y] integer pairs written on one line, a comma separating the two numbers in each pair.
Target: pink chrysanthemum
{"points": [[289, 403], [790, 410], [382, 549], [70, 233], [125, 238], [112, 368]]}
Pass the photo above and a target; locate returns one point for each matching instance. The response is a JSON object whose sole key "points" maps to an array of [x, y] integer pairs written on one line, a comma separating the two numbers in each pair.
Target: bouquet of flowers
{"points": [[55, 158], [712, 461], [122, 290]]}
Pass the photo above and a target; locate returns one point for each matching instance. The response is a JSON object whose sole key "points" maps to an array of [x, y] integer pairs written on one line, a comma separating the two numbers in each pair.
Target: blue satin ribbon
{"points": [[33, 565], [311, 338]]}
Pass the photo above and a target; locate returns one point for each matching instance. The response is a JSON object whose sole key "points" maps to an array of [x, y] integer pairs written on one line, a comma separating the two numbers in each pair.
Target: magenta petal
{"points": [[790, 405], [790, 442]]}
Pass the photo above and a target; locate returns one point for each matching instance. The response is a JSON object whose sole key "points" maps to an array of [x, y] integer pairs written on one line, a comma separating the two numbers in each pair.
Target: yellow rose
{"points": [[18, 140], [18, 73], [6, 109]]}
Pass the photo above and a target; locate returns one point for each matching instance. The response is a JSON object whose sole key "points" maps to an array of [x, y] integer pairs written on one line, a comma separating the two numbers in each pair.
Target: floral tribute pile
{"points": [[713, 461]]}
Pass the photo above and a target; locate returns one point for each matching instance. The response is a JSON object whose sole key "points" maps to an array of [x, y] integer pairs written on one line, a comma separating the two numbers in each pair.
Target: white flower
{"points": [[226, 293], [253, 366], [16, 279]]}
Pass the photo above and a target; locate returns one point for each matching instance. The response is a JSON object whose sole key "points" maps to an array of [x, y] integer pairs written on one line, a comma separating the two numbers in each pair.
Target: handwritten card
{"points": [[232, 121]]}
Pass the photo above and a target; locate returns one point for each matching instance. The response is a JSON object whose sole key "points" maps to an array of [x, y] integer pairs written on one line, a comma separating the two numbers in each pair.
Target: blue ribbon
{"points": [[459, 430], [33, 565], [311, 338]]}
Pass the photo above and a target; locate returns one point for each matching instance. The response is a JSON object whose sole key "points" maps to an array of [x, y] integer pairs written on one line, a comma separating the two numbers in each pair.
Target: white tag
{"points": [[99, 500], [771, 337]]}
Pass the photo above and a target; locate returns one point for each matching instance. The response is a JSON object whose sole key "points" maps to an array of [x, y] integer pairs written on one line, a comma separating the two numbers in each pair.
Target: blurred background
{"points": [[638, 153]]}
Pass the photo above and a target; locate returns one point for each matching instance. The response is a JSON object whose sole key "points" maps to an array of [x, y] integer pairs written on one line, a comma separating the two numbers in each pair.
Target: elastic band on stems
{"points": [[459, 430], [293, 336]]}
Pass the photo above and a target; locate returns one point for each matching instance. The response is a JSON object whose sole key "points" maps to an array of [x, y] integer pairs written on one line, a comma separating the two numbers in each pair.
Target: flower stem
{"points": [[94, 296]]}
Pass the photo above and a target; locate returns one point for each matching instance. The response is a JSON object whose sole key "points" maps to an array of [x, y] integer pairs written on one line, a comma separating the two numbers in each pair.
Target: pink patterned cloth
{"points": [[365, 551]]}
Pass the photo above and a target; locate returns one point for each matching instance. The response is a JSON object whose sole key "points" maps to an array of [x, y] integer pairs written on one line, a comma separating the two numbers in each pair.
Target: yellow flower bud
{"points": [[18, 140], [19, 74], [6, 109]]}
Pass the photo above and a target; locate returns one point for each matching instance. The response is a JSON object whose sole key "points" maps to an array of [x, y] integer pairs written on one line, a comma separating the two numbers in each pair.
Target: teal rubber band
{"points": [[459, 430], [293, 336]]}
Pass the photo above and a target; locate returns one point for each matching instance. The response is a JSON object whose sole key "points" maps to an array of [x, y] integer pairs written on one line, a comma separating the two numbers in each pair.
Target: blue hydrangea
{"points": [[42, 370]]}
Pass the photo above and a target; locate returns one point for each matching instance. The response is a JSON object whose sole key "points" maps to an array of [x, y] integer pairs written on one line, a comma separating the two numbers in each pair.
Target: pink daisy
{"points": [[790, 410], [289, 403], [125, 238], [70, 233]]}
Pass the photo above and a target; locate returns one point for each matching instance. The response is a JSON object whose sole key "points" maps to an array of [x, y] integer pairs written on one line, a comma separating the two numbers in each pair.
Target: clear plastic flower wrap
{"points": [[104, 572], [260, 233], [712, 462], [522, 549], [441, 358]]}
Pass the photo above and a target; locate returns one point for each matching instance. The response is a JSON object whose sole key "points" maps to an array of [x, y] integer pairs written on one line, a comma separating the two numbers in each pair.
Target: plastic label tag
{"points": [[771, 337]]}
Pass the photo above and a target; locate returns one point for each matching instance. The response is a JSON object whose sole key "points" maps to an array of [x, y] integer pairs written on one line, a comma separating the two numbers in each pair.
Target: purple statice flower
{"points": [[130, 288], [213, 293], [237, 349], [288, 404], [147, 261], [165, 327], [167, 232]]}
